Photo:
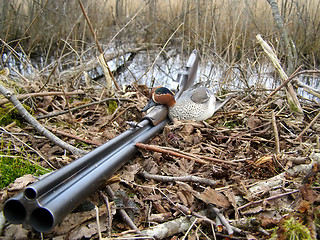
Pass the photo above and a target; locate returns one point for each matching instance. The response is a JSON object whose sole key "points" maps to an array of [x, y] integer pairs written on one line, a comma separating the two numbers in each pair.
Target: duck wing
{"points": [[201, 95]]}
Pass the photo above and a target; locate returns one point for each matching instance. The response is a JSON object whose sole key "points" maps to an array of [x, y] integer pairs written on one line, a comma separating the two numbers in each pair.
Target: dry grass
{"points": [[223, 27]]}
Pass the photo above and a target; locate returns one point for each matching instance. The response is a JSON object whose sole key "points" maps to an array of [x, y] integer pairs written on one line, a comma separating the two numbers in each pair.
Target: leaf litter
{"points": [[259, 193]]}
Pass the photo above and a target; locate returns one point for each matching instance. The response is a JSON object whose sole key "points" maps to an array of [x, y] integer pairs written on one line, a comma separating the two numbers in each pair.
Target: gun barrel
{"points": [[39, 188], [45, 203]]}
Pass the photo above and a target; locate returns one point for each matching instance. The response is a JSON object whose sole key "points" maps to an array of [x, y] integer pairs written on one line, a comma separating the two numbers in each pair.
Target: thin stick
{"points": [[267, 199], [276, 133], [162, 49], [25, 32], [307, 127], [189, 178], [177, 153], [98, 221], [69, 135], [199, 156], [122, 212], [109, 222], [37, 152], [223, 220], [41, 94], [98, 45], [293, 75]]}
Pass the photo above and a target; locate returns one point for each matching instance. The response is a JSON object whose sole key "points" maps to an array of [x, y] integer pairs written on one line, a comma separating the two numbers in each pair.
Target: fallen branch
{"points": [[230, 228], [267, 199], [33, 122], [164, 230], [223, 220], [189, 178], [279, 179], [313, 91], [154, 148], [291, 95], [82, 106], [41, 94]]}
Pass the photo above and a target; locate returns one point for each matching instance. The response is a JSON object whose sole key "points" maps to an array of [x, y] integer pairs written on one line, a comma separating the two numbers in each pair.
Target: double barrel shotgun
{"points": [[43, 204]]}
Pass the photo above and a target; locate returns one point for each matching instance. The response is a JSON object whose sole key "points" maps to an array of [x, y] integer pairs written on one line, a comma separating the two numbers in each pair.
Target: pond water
{"points": [[165, 68]]}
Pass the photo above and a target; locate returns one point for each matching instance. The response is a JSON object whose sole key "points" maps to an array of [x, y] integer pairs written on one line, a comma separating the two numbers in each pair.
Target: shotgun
{"points": [[43, 204]]}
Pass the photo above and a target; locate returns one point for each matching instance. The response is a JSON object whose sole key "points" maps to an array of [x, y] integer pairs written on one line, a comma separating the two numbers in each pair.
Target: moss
{"points": [[9, 114], [112, 106], [231, 124], [12, 167], [291, 229]]}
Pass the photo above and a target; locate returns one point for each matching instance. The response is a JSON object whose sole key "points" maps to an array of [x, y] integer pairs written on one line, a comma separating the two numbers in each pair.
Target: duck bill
{"points": [[149, 105]]}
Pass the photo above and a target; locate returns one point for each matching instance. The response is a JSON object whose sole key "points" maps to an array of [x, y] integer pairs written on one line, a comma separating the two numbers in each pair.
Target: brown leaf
{"points": [[87, 230], [15, 232], [308, 194], [210, 195], [130, 171], [268, 222], [21, 182], [75, 219], [253, 122]]}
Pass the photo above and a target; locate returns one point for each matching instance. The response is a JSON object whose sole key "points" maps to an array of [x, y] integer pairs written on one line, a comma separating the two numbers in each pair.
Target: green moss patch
{"points": [[12, 167]]}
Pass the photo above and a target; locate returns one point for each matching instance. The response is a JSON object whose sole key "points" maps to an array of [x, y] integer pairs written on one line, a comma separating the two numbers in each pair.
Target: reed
{"points": [[225, 27]]}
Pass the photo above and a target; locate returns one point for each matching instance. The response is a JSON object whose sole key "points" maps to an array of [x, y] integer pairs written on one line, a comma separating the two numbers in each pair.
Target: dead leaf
{"points": [[210, 195], [253, 122], [130, 171], [253, 210], [21, 182], [151, 166], [308, 194], [87, 230], [15, 232], [75, 219]]}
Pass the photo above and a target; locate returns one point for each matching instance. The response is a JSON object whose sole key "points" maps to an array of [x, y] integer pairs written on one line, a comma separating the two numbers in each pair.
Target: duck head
{"points": [[160, 95]]}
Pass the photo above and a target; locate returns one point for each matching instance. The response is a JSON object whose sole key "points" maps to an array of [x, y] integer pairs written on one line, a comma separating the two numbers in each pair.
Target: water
{"points": [[219, 77]]}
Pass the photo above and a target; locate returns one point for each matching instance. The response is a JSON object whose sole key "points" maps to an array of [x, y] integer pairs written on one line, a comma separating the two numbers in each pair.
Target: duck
{"points": [[196, 103]]}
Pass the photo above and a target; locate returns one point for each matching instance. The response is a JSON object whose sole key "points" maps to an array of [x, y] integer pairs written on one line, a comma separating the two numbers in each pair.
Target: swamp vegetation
{"points": [[251, 171]]}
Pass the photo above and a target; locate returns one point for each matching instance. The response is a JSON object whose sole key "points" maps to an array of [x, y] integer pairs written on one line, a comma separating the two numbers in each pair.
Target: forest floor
{"points": [[242, 174]]}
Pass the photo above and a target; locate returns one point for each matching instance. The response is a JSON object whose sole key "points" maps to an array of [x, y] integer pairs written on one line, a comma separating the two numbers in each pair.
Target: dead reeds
{"points": [[227, 27]]}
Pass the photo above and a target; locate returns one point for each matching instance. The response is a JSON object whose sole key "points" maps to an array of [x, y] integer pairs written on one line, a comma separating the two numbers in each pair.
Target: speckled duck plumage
{"points": [[196, 103]]}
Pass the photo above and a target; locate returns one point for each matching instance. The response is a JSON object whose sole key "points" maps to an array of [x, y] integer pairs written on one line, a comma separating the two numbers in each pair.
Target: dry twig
{"points": [[309, 125], [276, 133], [178, 153], [189, 178], [41, 94]]}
